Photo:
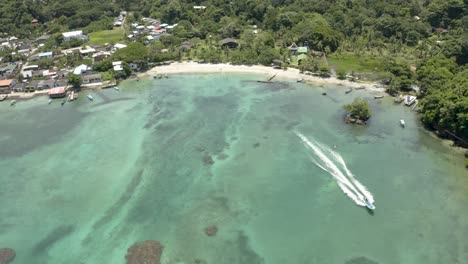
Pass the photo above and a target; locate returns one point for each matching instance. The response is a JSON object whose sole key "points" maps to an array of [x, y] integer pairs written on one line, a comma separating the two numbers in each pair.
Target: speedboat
{"points": [[369, 204], [90, 97]]}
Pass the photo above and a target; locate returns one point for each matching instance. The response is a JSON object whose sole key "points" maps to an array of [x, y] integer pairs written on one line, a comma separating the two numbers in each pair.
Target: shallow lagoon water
{"points": [[163, 159]]}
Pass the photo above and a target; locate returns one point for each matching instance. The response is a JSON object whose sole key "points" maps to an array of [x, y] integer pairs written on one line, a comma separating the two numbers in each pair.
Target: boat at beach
{"points": [[378, 97], [72, 96], [348, 90], [402, 123], [398, 100], [300, 80], [369, 204], [13, 102], [90, 97], [116, 88]]}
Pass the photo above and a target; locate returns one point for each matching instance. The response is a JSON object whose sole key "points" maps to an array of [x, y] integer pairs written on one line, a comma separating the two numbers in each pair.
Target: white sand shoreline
{"points": [[290, 73]]}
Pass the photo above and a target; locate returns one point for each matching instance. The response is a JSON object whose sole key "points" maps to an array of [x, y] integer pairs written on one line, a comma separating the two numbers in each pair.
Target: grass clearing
{"points": [[106, 36], [358, 64]]}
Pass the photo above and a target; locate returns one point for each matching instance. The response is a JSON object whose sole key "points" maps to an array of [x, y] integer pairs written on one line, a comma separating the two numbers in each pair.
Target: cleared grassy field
{"points": [[106, 36], [354, 63]]}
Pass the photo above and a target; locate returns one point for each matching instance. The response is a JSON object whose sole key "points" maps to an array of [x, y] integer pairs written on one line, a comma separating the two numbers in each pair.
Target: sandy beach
{"points": [[290, 73]]}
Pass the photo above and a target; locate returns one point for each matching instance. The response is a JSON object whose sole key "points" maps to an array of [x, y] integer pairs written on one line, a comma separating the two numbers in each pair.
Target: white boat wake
{"points": [[329, 160]]}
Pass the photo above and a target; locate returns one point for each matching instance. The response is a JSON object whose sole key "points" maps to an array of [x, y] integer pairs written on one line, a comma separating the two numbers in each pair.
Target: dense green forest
{"points": [[416, 42]]}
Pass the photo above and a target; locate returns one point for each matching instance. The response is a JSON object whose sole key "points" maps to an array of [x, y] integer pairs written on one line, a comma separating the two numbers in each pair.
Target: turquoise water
{"points": [[164, 159]]}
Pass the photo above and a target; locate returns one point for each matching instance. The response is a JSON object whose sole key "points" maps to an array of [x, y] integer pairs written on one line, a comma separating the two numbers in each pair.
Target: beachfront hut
{"points": [[92, 78], [6, 86], [58, 92]]}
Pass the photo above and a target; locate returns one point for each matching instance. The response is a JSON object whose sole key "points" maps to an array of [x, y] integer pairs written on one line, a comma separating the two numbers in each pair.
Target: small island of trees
{"points": [[358, 111]]}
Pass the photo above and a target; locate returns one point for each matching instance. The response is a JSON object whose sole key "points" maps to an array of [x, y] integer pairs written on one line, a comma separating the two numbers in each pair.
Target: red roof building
{"points": [[6, 86], [57, 92]]}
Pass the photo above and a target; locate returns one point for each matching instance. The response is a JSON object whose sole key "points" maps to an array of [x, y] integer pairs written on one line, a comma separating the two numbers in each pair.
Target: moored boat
{"points": [[349, 90], [360, 87], [300, 80], [63, 101], [402, 123], [13, 102], [4, 97], [50, 101], [90, 97], [378, 97], [116, 88]]}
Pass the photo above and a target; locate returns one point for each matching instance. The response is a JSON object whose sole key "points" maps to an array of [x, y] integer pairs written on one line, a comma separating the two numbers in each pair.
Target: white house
{"points": [[81, 69], [120, 46], [117, 66], [73, 35]]}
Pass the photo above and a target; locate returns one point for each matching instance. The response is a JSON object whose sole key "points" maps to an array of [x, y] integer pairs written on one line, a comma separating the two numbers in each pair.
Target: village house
{"points": [[46, 84], [83, 69], [42, 39], [74, 35], [24, 48], [87, 51], [30, 87], [7, 70], [57, 92], [45, 55], [61, 82], [100, 56], [27, 74], [92, 78], [229, 42], [117, 65], [6, 86]]}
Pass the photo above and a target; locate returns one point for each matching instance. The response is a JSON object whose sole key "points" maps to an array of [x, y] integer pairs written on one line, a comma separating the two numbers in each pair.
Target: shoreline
{"points": [[290, 73], [23, 96]]}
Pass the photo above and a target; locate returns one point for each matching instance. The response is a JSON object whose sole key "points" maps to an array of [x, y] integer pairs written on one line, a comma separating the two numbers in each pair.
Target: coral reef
{"points": [[208, 160], [211, 230], [146, 252], [6, 255], [361, 260]]}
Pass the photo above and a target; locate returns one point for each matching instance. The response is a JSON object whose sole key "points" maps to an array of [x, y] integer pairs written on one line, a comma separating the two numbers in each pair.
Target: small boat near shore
{"points": [[402, 123], [300, 80], [398, 100], [63, 101], [72, 96], [360, 88], [348, 90], [90, 97], [13, 102], [378, 97], [4, 97], [116, 88], [50, 101]]}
